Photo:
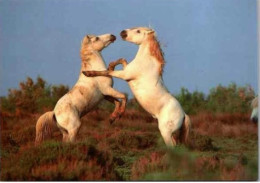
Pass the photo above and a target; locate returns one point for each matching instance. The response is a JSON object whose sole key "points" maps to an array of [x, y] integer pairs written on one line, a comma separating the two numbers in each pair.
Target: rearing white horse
{"points": [[144, 76], [85, 94]]}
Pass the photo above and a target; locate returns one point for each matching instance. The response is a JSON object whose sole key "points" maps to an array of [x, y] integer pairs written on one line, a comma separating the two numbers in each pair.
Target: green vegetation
{"points": [[230, 99]]}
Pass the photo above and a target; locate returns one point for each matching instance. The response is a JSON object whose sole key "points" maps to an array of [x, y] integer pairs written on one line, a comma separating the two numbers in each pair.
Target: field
{"points": [[223, 141], [222, 147]]}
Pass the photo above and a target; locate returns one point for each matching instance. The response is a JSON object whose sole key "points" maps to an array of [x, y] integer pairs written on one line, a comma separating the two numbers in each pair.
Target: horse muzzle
{"points": [[123, 34], [112, 38]]}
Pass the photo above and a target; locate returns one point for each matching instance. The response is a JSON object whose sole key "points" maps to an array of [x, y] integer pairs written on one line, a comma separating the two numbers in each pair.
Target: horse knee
{"points": [[70, 131], [167, 137], [167, 130]]}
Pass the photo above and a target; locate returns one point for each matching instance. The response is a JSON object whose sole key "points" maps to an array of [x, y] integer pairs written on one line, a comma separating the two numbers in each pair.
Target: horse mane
{"points": [[85, 57], [85, 54], [156, 51]]}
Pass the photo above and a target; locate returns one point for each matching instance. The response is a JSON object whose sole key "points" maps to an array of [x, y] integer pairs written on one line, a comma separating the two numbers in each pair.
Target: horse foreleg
{"points": [[112, 65], [108, 91], [96, 73], [121, 74], [116, 113]]}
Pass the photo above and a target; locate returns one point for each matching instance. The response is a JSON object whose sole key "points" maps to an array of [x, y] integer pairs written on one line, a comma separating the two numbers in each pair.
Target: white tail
{"points": [[44, 127]]}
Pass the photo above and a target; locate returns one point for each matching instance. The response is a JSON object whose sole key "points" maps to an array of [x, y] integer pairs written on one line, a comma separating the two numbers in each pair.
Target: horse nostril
{"points": [[113, 38], [123, 34]]}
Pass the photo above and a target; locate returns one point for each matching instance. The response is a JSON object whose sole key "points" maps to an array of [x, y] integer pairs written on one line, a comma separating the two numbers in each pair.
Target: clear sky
{"points": [[205, 42]]}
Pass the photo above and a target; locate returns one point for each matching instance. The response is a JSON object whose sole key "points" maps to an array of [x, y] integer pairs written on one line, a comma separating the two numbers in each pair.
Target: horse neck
{"points": [[92, 61], [145, 59], [143, 51]]}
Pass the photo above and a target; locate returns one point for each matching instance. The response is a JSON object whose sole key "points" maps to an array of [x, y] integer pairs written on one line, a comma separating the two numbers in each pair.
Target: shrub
{"points": [[181, 164], [56, 161], [32, 97], [191, 102], [230, 99]]}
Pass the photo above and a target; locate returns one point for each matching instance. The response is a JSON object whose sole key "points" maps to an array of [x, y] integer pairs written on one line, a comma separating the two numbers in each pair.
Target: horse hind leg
{"points": [[65, 134], [70, 132], [169, 141], [166, 133], [167, 137], [70, 135], [185, 130]]}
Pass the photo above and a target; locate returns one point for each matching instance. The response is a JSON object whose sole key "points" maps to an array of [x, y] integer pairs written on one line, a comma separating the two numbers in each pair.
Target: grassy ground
{"points": [[222, 147]]}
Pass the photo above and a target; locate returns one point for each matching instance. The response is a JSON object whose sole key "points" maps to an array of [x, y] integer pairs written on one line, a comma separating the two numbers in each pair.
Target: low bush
{"points": [[56, 161], [181, 164]]}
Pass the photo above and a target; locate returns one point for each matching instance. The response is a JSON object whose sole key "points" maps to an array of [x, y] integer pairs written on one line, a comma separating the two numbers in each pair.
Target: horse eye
{"points": [[138, 31], [97, 38]]}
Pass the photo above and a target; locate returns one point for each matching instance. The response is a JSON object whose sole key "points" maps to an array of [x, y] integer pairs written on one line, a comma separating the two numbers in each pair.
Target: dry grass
{"points": [[225, 125], [129, 149]]}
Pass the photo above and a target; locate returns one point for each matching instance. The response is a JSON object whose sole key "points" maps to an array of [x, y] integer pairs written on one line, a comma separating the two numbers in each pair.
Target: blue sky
{"points": [[205, 42]]}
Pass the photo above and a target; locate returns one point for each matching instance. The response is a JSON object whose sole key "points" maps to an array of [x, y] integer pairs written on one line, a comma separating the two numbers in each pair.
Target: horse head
{"points": [[137, 35], [96, 43]]}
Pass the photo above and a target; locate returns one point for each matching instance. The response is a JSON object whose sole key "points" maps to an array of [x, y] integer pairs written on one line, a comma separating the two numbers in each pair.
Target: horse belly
{"points": [[85, 103]]}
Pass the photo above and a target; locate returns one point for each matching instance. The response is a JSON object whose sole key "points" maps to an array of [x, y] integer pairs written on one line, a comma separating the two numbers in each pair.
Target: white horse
{"points": [[144, 76], [84, 96], [254, 114]]}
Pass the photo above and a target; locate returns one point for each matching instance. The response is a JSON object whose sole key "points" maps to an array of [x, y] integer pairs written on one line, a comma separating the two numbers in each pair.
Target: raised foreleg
{"points": [[112, 65], [114, 95], [122, 74]]}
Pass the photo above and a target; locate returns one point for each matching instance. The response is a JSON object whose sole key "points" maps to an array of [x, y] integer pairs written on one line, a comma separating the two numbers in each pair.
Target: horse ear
{"points": [[150, 32], [85, 40]]}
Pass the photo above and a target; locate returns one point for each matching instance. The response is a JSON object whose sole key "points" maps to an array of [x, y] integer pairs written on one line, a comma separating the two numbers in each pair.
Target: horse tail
{"points": [[45, 126], [185, 130]]}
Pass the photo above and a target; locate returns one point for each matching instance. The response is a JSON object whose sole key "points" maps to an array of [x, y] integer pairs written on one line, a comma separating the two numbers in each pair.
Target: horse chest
{"points": [[145, 99]]}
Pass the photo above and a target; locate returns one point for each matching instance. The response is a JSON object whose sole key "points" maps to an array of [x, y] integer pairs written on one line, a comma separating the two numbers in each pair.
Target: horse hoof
{"points": [[111, 120], [87, 73]]}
